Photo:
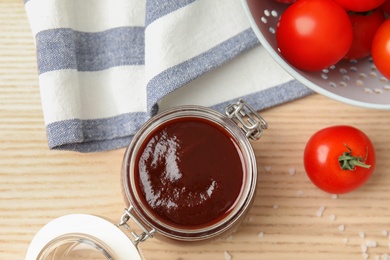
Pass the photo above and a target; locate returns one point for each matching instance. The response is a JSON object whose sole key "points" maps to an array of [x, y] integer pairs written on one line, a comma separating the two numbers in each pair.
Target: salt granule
{"points": [[385, 233], [320, 211], [341, 227], [345, 240], [364, 248], [361, 234], [291, 171], [371, 243], [276, 206], [385, 257], [260, 235], [229, 238], [332, 217], [301, 193], [227, 255], [249, 219], [365, 256], [267, 168], [334, 196]]}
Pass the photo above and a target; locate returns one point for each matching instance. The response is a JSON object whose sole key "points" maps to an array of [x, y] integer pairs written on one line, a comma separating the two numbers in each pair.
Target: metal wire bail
{"points": [[127, 215], [247, 118]]}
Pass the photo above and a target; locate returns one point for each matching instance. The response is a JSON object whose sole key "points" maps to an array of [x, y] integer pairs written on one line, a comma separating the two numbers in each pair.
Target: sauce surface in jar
{"points": [[190, 172]]}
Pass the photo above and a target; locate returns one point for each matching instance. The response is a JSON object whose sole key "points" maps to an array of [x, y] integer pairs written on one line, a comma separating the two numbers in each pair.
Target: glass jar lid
{"points": [[81, 236]]}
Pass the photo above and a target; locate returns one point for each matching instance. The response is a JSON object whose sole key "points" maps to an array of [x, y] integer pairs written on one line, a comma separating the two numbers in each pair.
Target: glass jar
{"points": [[208, 186], [171, 147]]}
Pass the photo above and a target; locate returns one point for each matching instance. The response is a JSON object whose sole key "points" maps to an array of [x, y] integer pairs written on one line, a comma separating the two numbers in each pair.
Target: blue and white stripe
{"points": [[64, 48], [105, 67]]}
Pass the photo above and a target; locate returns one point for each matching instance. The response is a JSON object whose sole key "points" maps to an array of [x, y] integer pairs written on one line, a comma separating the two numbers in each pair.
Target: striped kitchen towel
{"points": [[106, 66]]}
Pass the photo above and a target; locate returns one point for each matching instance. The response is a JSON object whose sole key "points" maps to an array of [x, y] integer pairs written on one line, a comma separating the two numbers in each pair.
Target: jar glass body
{"points": [[222, 227]]}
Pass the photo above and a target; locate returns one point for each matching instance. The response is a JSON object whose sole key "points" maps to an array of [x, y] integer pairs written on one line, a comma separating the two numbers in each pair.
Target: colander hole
{"points": [[266, 12], [343, 84], [373, 74], [274, 13], [343, 71], [386, 87], [383, 79], [362, 76], [332, 84], [378, 91], [325, 71], [373, 68], [359, 82], [272, 30], [263, 19], [354, 62], [332, 67], [346, 78], [367, 90], [353, 69], [324, 76]]}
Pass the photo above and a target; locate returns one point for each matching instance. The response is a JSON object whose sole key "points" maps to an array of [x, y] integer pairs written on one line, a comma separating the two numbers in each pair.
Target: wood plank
{"points": [[38, 185]]}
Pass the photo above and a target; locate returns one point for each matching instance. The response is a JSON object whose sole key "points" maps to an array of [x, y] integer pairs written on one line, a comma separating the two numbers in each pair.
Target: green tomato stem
{"points": [[349, 162]]}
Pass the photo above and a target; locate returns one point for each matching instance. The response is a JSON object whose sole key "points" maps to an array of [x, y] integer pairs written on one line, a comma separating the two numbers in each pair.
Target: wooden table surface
{"points": [[38, 185]]}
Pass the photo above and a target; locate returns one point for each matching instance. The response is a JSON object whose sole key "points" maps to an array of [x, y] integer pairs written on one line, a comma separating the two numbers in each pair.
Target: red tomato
{"points": [[286, 1], [314, 34], [364, 26], [381, 49], [360, 5], [386, 6], [332, 147]]}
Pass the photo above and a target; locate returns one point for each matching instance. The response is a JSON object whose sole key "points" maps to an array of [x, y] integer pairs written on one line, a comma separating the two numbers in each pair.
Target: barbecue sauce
{"points": [[189, 172]]}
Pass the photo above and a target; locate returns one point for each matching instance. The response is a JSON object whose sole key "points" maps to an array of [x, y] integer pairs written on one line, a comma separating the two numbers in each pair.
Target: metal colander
{"points": [[355, 82]]}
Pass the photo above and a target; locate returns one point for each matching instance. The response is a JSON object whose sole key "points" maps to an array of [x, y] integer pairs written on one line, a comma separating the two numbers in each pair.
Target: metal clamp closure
{"points": [[127, 215], [250, 121]]}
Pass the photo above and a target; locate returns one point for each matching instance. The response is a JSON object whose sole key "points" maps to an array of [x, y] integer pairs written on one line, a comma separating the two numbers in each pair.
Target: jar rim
{"points": [[247, 158]]}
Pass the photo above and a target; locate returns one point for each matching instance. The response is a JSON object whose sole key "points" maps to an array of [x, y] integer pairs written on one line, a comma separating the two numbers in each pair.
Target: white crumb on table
{"points": [[371, 243], [363, 247], [320, 211], [291, 171], [249, 219], [227, 255]]}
